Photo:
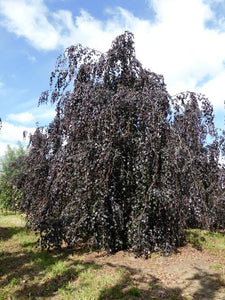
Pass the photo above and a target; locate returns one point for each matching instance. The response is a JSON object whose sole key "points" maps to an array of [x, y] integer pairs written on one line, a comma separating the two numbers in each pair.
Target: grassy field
{"points": [[26, 272]]}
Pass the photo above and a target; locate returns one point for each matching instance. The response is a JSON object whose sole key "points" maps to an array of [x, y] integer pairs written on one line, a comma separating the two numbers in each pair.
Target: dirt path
{"points": [[189, 274]]}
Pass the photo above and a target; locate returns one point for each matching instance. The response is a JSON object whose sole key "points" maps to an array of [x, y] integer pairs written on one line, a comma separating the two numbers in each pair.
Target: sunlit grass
{"points": [[203, 239], [217, 266], [11, 219], [27, 272], [93, 285]]}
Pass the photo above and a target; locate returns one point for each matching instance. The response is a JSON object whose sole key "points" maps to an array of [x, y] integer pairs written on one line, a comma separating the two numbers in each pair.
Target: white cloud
{"points": [[1, 84], [3, 148], [176, 43], [30, 20], [47, 114], [214, 89], [86, 30], [39, 114], [23, 118], [179, 46], [10, 134]]}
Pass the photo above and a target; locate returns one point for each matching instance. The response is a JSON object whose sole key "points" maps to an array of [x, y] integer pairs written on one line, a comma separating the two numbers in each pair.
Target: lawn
{"points": [[27, 272], [196, 271]]}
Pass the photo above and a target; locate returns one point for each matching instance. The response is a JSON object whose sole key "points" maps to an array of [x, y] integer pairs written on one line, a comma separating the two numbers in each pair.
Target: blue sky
{"points": [[182, 39]]}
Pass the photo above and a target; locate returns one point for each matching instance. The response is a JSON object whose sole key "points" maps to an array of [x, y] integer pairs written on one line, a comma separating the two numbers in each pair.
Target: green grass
{"points": [[217, 266], [203, 239], [11, 219], [27, 272], [91, 285]]}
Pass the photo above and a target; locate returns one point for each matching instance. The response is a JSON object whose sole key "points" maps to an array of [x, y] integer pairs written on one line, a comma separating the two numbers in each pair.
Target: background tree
{"points": [[117, 167], [12, 165]]}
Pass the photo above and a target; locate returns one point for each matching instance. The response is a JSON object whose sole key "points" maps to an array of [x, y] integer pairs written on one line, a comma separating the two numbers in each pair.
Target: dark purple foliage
{"points": [[123, 165]]}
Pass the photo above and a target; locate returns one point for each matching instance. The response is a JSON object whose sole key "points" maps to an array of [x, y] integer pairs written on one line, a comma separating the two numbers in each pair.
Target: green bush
{"points": [[12, 168]]}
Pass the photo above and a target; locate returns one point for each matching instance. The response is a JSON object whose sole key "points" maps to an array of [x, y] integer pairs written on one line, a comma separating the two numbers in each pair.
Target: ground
{"points": [[196, 271], [189, 274]]}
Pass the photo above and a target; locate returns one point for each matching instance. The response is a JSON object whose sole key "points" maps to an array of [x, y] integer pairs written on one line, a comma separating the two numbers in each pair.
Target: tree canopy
{"points": [[123, 164], [12, 168]]}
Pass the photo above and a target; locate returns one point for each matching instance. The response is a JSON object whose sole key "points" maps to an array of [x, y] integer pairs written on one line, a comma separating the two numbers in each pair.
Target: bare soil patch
{"points": [[188, 274]]}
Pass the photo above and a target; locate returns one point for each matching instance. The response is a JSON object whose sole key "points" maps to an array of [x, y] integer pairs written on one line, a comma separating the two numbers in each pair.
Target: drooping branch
{"points": [[120, 166]]}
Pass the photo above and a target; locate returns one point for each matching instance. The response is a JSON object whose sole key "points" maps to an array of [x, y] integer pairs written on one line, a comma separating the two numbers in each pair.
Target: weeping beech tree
{"points": [[122, 165]]}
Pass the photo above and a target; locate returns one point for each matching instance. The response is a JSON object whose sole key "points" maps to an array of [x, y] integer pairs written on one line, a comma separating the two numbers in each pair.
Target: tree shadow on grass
{"points": [[150, 287], [134, 285], [50, 286], [7, 232], [30, 269], [35, 277], [195, 240], [210, 284], [18, 263], [5, 212]]}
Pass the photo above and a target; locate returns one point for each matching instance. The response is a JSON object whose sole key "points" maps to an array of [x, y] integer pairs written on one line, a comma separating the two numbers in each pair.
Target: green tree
{"points": [[12, 169]]}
